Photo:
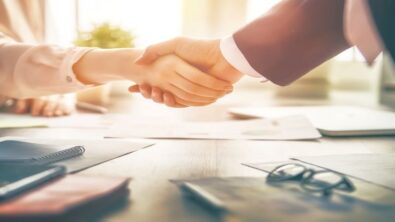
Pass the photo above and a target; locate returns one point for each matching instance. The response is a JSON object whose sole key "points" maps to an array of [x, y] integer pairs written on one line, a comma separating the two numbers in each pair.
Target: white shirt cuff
{"points": [[235, 57]]}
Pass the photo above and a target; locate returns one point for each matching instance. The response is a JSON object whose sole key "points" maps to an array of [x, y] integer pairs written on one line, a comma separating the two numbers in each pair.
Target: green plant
{"points": [[105, 36]]}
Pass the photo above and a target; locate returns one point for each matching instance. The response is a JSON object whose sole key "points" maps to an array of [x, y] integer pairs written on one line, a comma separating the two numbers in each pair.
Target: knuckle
{"points": [[149, 50]]}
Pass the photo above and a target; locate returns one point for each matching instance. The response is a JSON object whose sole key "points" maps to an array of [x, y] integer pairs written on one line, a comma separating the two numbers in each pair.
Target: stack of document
{"points": [[285, 128]]}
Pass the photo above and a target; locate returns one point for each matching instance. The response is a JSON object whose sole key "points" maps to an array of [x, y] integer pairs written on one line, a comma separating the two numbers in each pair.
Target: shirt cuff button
{"points": [[69, 79]]}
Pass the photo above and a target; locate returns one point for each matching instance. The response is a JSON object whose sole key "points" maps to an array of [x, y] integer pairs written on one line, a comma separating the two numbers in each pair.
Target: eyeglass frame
{"points": [[304, 180]]}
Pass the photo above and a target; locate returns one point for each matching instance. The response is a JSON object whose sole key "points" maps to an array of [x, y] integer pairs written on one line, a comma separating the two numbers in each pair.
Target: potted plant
{"points": [[103, 36]]}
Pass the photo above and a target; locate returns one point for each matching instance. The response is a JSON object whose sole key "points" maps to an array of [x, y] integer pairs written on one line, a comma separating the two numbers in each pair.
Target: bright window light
{"points": [[256, 8], [150, 20]]}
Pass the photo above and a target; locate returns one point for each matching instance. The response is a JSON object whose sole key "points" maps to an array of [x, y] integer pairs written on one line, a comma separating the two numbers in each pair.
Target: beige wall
{"points": [[213, 18]]}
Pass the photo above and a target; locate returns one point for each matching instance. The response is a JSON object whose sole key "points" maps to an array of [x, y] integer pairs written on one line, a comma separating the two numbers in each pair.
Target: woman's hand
{"points": [[204, 54], [169, 73], [189, 85], [49, 106]]}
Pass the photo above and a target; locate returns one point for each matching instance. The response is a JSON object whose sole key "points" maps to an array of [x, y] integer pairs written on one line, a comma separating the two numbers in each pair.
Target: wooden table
{"points": [[154, 198]]}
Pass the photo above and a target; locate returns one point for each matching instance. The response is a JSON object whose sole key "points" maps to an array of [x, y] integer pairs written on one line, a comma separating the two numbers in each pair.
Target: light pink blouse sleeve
{"points": [[28, 71]]}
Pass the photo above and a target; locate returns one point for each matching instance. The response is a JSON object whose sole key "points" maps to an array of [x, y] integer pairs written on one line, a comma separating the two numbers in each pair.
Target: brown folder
{"points": [[65, 198]]}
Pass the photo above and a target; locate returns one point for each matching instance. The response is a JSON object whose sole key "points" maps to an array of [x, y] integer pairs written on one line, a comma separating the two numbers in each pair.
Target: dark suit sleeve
{"points": [[383, 13], [293, 38]]}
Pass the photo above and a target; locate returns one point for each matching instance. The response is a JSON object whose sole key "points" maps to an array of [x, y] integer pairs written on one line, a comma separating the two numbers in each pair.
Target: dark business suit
{"points": [[298, 35], [383, 12]]}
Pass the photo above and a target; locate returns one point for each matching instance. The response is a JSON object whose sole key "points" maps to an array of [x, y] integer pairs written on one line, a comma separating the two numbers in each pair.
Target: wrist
{"points": [[101, 66], [231, 73], [227, 71]]}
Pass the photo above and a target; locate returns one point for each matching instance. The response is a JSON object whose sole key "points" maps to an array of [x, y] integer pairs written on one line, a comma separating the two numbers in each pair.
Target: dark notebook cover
{"points": [[13, 151]]}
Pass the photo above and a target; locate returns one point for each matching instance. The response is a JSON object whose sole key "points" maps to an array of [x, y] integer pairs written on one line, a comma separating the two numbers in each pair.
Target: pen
{"points": [[204, 196], [91, 107], [30, 182]]}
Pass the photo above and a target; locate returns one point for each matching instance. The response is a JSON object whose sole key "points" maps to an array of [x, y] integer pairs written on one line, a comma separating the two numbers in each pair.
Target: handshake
{"points": [[185, 72]]}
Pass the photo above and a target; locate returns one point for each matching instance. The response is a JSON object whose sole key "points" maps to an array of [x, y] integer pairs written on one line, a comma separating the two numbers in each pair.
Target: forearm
{"points": [[293, 38], [100, 66], [28, 71]]}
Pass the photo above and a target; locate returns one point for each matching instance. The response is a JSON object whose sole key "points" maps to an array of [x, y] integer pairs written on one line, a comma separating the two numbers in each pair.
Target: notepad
{"points": [[13, 151]]}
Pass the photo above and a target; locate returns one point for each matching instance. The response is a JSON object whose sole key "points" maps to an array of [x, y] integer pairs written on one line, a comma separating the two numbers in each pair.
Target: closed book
{"points": [[13, 151], [70, 198]]}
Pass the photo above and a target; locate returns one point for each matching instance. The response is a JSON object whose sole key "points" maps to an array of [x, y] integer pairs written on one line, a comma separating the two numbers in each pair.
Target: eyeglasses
{"points": [[317, 181]]}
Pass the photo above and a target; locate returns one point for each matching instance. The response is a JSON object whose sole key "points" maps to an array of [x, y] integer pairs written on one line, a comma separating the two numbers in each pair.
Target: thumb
{"points": [[153, 52]]}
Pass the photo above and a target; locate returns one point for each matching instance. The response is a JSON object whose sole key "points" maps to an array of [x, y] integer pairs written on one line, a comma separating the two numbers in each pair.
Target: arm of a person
{"points": [[191, 86], [28, 71], [291, 39]]}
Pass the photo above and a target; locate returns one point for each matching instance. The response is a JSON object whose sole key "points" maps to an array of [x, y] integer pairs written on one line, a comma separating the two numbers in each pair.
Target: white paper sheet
{"points": [[76, 120], [330, 120], [96, 152], [287, 128]]}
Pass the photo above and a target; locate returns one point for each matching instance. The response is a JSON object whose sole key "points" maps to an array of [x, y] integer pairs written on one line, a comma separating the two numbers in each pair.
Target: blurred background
{"points": [[150, 21]]}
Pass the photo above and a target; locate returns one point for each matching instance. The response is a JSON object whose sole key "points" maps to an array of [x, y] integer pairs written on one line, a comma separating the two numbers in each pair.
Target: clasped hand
{"points": [[193, 73]]}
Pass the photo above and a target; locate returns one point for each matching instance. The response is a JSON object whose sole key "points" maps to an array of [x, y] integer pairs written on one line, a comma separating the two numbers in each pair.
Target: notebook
{"points": [[16, 179], [13, 151], [70, 198]]}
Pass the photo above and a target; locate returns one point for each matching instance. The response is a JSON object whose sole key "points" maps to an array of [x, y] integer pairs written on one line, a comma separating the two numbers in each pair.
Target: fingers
{"points": [[49, 108], [202, 83], [21, 106], [157, 95], [153, 52], [184, 98], [187, 103], [188, 98], [134, 89], [170, 101], [45, 106], [145, 91], [178, 92], [63, 109], [37, 106], [201, 78], [148, 92]]}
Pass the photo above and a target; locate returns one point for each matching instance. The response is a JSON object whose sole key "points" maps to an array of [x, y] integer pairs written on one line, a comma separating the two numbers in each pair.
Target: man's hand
{"points": [[204, 54], [189, 85]]}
